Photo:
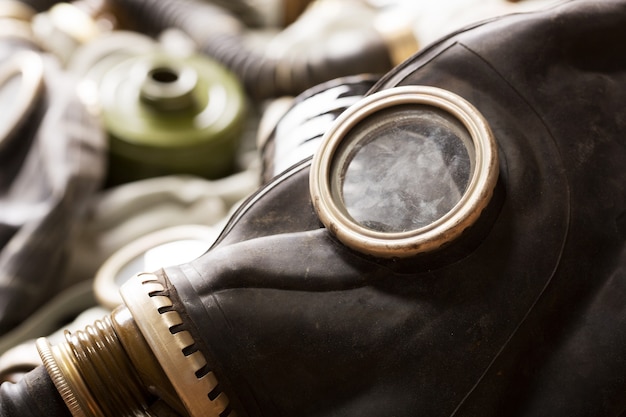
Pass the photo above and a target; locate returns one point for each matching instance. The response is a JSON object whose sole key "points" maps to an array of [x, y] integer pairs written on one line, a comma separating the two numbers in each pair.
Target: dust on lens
{"points": [[403, 168]]}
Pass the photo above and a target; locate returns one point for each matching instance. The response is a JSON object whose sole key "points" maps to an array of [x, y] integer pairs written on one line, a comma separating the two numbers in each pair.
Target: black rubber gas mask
{"points": [[454, 248]]}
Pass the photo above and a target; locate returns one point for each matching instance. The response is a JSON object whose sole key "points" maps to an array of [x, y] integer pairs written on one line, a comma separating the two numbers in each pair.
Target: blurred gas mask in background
{"points": [[52, 157], [455, 246]]}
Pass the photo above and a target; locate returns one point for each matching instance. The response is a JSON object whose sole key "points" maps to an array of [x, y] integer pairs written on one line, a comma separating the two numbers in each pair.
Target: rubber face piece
{"points": [[523, 316]]}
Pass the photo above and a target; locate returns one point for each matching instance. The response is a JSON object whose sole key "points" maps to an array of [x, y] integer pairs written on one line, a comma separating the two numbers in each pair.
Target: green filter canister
{"points": [[171, 115]]}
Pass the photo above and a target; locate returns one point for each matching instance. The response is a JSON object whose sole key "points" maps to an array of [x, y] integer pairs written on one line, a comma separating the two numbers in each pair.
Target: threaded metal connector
{"points": [[93, 373], [135, 362]]}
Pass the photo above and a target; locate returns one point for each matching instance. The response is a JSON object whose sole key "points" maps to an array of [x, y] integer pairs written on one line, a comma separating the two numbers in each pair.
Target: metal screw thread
{"points": [[94, 374]]}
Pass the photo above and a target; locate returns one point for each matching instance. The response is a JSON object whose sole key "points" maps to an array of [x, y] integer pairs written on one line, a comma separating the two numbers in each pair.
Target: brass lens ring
{"points": [[477, 195]]}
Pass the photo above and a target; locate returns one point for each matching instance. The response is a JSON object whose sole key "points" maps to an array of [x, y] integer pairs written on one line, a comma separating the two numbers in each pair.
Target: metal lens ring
{"points": [[404, 171]]}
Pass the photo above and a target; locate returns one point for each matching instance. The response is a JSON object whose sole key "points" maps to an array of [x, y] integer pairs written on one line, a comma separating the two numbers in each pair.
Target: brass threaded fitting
{"points": [[93, 373], [133, 362]]}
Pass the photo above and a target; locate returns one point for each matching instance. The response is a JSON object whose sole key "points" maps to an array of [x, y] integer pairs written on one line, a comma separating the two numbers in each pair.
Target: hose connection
{"points": [[139, 361], [94, 374]]}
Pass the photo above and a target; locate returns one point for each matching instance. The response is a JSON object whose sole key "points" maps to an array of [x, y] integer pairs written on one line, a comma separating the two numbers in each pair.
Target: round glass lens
{"points": [[403, 168]]}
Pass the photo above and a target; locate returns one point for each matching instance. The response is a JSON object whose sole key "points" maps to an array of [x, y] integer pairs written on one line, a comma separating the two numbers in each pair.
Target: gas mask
{"points": [[51, 159], [455, 247]]}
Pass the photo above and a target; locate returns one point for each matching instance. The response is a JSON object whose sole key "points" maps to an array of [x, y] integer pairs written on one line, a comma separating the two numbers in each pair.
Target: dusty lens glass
{"points": [[403, 168]]}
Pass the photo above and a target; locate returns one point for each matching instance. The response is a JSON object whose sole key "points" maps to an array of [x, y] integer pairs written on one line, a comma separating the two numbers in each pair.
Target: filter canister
{"points": [[171, 115]]}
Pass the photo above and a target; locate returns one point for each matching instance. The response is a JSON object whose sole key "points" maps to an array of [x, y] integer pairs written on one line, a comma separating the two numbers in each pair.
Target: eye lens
{"points": [[403, 169]]}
